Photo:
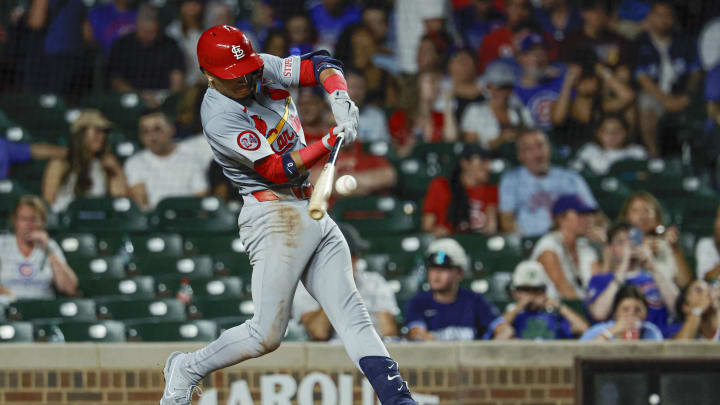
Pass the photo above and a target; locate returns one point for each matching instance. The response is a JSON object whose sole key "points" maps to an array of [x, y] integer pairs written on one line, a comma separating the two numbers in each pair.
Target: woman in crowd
{"points": [[495, 121], [628, 322], [465, 202], [698, 312], [707, 254], [629, 260], [90, 170], [186, 30], [643, 211], [611, 145], [566, 255], [32, 265]]}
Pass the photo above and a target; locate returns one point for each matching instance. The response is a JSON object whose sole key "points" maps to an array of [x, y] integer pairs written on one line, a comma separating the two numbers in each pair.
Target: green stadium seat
{"points": [[391, 264], [415, 176], [139, 287], [610, 193], [221, 287], [123, 109], [221, 308], [16, 332], [106, 267], [699, 215], [31, 173], [193, 215], [166, 309], [191, 267], [77, 245], [406, 286], [489, 254], [112, 243], [528, 244], [156, 244], [40, 113], [175, 331], [104, 214], [382, 149], [100, 331], [62, 309], [375, 215], [413, 242], [494, 286], [212, 244], [10, 192], [227, 323]]}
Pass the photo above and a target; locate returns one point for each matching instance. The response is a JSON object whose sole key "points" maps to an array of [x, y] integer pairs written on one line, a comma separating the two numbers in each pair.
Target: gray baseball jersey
{"points": [[241, 134]]}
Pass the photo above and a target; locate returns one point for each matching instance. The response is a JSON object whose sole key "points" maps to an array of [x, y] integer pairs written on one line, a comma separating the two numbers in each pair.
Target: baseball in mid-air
{"points": [[345, 185]]}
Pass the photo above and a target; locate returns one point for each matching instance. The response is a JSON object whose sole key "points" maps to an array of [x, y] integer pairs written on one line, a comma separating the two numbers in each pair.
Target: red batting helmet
{"points": [[226, 52]]}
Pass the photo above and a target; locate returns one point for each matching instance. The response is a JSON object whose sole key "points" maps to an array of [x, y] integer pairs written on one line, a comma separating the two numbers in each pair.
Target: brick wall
{"points": [[474, 373]]}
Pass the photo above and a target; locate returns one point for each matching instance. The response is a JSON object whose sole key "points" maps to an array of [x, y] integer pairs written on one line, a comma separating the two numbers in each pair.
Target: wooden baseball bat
{"points": [[324, 185]]}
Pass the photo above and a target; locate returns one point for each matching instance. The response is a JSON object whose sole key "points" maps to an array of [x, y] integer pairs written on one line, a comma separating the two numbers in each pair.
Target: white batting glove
{"points": [[346, 115]]}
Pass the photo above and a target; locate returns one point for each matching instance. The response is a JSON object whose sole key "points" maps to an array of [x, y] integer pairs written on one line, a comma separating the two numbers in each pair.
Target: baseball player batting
{"points": [[252, 125]]}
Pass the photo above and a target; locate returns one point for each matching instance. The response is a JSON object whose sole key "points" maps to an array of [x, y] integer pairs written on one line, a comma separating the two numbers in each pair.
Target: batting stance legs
{"points": [[286, 246]]}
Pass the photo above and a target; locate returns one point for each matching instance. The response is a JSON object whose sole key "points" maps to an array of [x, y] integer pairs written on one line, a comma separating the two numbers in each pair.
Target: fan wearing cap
{"points": [[630, 262], [465, 202], [447, 311], [534, 315], [494, 122], [373, 288], [90, 169], [565, 254]]}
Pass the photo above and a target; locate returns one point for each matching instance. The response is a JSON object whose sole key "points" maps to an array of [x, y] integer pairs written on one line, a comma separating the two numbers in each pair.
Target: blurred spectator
{"points": [[147, 60], [465, 202], [356, 49], [629, 260], [667, 70], [477, 20], [330, 18], [540, 82], [528, 192], [415, 19], [375, 291], [499, 43], [164, 168], [642, 210], [15, 152], [277, 43], [589, 90], [706, 146], [112, 20], [461, 87], [218, 12], [375, 19], [707, 44], [699, 318], [373, 126], [565, 254], [90, 170], [428, 122], [611, 49], [610, 145], [448, 311], [186, 31], [302, 35], [558, 18], [534, 315], [707, 256], [257, 25], [32, 266], [314, 113], [495, 122], [629, 311], [55, 45]]}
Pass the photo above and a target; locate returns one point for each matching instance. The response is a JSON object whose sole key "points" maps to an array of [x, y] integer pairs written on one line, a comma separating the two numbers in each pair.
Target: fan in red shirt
{"points": [[465, 202]]}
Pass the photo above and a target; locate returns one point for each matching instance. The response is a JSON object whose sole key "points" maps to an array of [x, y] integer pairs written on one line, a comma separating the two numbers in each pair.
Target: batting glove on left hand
{"points": [[346, 115]]}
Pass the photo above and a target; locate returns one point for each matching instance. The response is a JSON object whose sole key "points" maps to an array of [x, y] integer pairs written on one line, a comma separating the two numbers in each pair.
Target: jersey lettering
{"points": [[284, 142], [248, 140], [238, 52], [287, 67]]}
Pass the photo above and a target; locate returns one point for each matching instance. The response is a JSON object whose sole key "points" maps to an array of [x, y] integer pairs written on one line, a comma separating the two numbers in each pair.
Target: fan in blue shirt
{"points": [[628, 323], [534, 315], [448, 312]]}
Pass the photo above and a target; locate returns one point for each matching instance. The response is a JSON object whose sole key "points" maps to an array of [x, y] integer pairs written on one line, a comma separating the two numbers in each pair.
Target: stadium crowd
{"points": [[583, 131]]}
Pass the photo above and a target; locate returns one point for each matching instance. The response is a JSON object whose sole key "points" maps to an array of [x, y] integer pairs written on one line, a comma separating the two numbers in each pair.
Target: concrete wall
{"points": [[511, 373]]}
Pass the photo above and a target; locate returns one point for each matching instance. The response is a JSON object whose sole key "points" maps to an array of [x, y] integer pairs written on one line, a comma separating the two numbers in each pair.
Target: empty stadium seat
{"points": [[104, 331], [699, 214], [45, 115], [156, 244], [77, 245], [221, 287], [227, 252], [104, 214], [610, 193], [376, 215], [136, 310], [10, 191], [123, 109], [140, 287], [104, 267], [489, 254], [15, 332], [175, 331], [217, 308], [193, 215], [62, 309], [112, 243], [414, 176], [192, 267]]}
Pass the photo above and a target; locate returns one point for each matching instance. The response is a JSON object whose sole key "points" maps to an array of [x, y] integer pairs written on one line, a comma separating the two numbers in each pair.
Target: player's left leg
{"points": [[329, 280]]}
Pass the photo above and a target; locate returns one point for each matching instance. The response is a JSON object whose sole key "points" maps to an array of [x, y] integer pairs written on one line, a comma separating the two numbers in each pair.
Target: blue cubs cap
{"points": [[531, 41], [569, 202]]}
